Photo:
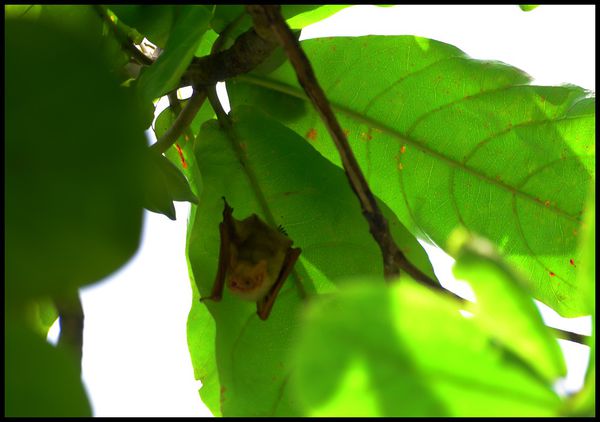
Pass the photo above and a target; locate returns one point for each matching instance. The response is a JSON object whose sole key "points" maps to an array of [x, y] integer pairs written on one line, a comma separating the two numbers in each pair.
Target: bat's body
{"points": [[254, 260]]}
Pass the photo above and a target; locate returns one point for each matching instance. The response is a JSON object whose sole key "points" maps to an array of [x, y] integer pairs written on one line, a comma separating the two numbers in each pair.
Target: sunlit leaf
{"points": [[449, 141], [403, 351], [244, 366], [584, 402], [505, 308], [528, 7]]}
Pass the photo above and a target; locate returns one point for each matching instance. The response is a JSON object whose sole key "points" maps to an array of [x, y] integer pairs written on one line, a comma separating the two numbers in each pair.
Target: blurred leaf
{"points": [[528, 7], [246, 374], [449, 141], [40, 380], [41, 314], [164, 74], [505, 308], [584, 402], [73, 163], [153, 21], [22, 11], [403, 350]]}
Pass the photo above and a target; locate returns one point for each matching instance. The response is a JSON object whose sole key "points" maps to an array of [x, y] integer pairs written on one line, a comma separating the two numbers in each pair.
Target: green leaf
{"points": [[185, 38], [584, 402], [40, 380], [23, 11], [449, 141], [403, 350], [312, 200], [505, 308], [74, 163], [299, 16], [153, 21], [166, 184], [41, 314], [181, 153], [528, 7]]}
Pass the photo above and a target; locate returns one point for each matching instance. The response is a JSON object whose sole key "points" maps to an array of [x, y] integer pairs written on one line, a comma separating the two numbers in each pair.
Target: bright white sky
{"points": [[135, 358]]}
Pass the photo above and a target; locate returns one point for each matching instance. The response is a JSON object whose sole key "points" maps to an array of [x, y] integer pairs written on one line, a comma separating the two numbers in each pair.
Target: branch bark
{"points": [[248, 51], [270, 25]]}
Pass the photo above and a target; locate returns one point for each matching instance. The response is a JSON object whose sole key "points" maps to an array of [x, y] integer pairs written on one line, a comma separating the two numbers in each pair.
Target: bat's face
{"points": [[249, 281]]}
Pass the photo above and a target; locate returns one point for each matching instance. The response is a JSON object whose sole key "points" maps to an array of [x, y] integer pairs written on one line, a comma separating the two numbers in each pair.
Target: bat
{"points": [[254, 261]]}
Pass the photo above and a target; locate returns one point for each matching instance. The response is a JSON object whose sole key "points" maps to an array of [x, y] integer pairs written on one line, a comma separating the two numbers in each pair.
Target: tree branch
{"points": [[184, 119], [269, 24], [71, 324], [127, 44], [248, 51]]}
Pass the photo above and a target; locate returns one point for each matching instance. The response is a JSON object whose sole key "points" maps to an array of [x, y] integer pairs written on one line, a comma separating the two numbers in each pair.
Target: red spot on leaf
{"points": [[180, 152], [551, 274], [366, 136], [572, 262], [312, 134], [547, 204], [403, 149]]}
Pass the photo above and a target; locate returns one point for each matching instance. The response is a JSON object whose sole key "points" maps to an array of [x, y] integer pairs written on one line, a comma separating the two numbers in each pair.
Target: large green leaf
{"points": [[449, 141], [505, 308], [74, 162], [403, 350], [185, 37], [240, 359]]}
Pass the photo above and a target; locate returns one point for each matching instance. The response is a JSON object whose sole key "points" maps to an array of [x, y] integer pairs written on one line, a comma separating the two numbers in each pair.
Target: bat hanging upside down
{"points": [[254, 261]]}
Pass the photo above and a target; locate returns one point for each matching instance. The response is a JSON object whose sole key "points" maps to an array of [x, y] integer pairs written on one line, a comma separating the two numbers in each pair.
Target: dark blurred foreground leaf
{"points": [[505, 307], [40, 380], [74, 162]]}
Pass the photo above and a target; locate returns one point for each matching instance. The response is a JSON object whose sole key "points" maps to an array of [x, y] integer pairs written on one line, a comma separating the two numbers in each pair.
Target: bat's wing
{"points": [[263, 306], [225, 230]]}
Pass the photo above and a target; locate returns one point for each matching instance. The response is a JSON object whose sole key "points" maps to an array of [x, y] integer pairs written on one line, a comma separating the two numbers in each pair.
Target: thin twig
{"points": [[71, 324], [267, 21], [182, 122], [126, 42]]}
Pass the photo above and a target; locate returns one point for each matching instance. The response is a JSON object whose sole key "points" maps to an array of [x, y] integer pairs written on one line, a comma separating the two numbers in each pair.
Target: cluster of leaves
{"points": [[456, 151]]}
